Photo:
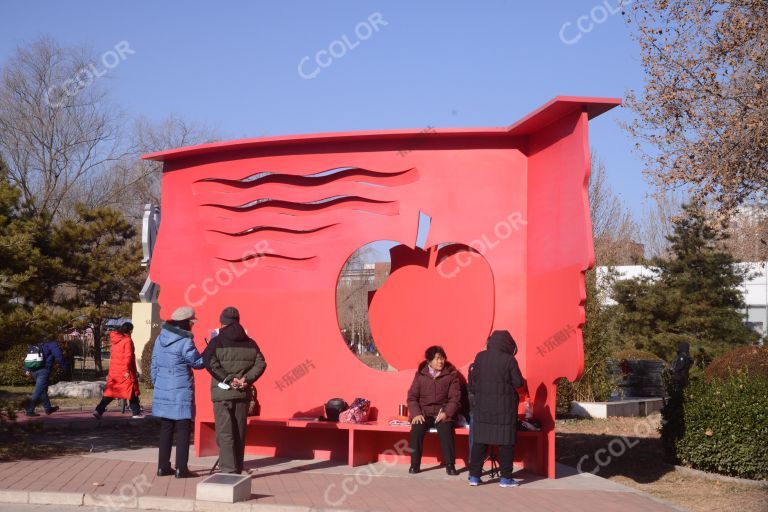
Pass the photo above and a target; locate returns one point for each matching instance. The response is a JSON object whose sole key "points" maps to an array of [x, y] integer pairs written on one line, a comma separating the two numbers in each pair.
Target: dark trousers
{"points": [[133, 402], [183, 430], [40, 393], [477, 458], [231, 418], [444, 431]]}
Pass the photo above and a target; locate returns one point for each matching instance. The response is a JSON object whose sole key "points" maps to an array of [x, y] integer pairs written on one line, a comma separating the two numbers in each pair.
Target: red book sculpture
{"points": [[266, 225]]}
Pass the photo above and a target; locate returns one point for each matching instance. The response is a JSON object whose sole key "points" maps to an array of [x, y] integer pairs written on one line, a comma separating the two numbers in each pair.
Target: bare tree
{"points": [[613, 228], [703, 110], [748, 232], [658, 220], [132, 182], [57, 126], [745, 229]]}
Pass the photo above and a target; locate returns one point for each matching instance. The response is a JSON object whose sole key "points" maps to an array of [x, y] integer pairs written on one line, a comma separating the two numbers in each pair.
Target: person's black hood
{"points": [[233, 332], [683, 347], [503, 342]]}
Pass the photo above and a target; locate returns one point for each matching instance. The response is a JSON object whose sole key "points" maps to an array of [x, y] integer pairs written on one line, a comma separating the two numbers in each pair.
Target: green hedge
{"points": [[725, 426]]}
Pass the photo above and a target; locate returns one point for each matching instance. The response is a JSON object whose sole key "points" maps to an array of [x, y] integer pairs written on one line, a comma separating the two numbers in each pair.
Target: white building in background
{"points": [[754, 288]]}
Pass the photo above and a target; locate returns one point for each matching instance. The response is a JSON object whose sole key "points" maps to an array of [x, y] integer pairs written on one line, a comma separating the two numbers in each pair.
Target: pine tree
{"points": [[24, 271], [52, 273], [101, 253], [693, 296]]}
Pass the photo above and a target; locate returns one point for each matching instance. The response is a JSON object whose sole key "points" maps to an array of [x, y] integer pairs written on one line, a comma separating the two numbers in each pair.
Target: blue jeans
{"points": [[41, 390]]}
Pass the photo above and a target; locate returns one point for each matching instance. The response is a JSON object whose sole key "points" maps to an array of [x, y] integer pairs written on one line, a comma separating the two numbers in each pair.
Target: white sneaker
{"points": [[137, 416]]}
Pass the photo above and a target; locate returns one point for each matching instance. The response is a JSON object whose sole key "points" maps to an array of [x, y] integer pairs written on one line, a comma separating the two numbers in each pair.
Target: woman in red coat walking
{"points": [[122, 379]]}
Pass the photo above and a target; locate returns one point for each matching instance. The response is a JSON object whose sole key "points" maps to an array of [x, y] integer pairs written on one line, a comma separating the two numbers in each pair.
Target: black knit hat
{"points": [[229, 315]]}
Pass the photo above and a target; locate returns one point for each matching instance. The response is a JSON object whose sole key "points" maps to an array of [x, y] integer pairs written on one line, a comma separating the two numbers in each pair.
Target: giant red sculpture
{"points": [[267, 224]]}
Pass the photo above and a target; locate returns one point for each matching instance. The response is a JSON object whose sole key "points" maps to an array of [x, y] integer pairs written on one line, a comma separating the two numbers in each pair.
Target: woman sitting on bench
{"points": [[433, 401]]}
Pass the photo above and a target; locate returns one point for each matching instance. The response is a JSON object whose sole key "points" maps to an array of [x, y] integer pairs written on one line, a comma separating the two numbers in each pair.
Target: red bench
{"points": [[355, 444]]}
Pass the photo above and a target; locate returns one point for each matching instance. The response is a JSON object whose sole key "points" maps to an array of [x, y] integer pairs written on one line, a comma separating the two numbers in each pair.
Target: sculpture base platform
{"points": [[225, 488]]}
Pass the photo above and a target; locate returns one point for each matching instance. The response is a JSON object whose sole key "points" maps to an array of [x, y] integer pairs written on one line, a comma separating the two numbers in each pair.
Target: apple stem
{"points": [[432, 257]]}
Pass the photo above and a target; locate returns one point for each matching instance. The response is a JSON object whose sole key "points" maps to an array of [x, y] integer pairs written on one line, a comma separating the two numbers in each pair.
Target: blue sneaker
{"points": [[474, 481], [508, 482]]}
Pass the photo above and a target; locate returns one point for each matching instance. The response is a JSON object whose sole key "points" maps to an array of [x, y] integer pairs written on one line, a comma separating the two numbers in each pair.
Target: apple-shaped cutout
{"points": [[436, 296]]}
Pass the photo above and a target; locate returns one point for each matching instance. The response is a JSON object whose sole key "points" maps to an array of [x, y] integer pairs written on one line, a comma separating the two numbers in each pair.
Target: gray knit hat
{"points": [[183, 313]]}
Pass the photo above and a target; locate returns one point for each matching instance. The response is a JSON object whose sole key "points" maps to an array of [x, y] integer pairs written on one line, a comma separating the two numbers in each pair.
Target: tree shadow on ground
{"points": [[640, 459], [33, 442]]}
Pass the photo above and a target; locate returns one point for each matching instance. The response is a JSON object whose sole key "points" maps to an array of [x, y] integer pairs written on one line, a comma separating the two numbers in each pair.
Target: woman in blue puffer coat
{"points": [[173, 359]]}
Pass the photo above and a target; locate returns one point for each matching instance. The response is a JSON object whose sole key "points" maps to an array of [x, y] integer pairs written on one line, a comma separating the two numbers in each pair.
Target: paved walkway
{"points": [[122, 478], [126, 479]]}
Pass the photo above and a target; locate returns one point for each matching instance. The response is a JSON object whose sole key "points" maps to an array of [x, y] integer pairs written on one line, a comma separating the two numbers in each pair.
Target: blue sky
{"points": [[235, 65]]}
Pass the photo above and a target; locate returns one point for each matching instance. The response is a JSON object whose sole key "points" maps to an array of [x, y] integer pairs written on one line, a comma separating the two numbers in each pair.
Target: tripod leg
{"points": [[495, 471]]}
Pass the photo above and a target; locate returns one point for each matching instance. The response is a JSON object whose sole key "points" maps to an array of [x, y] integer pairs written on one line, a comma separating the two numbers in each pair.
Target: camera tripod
{"points": [[495, 470]]}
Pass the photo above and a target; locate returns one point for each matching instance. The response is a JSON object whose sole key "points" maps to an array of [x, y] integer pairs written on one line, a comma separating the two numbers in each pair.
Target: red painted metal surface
{"points": [[267, 224]]}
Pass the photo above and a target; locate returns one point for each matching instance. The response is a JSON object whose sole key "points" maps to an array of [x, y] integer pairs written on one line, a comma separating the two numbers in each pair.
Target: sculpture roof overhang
{"points": [[550, 112]]}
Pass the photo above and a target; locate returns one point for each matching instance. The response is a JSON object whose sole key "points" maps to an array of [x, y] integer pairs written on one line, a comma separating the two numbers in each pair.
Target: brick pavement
{"points": [[318, 484], [127, 478]]}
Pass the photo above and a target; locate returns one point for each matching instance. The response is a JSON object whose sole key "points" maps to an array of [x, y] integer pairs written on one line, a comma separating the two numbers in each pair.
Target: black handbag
{"points": [[333, 408]]}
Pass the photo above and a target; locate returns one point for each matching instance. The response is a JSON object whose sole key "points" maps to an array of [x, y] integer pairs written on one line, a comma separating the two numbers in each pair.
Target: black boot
{"points": [[451, 469], [184, 473], [414, 469], [164, 471]]}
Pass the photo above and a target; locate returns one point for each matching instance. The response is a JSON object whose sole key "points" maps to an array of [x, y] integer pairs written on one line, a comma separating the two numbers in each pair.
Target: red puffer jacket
{"points": [[122, 379], [428, 395]]}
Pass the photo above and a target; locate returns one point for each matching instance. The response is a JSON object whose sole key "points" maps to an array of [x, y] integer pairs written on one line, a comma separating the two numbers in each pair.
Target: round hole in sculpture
{"points": [[390, 309], [363, 272]]}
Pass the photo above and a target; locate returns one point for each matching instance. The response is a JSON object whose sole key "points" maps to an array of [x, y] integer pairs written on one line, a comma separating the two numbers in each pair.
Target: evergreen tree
{"points": [[24, 268], [101, 255], [693, 296], [52, 273]]}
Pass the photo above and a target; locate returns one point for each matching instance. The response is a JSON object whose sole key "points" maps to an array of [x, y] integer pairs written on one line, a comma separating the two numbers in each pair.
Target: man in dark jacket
{"points": [[494, 377], [51, 354], [235, 362]]}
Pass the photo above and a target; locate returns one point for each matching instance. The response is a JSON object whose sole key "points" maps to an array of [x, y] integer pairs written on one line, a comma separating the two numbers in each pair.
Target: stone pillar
{"points": [[146, 326]]}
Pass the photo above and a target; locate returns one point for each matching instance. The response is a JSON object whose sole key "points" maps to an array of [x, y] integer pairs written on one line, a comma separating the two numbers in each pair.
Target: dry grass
{"points": [[636, 460]]}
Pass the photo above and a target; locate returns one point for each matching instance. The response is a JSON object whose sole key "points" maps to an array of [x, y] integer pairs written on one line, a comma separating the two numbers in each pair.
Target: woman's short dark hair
{"points": [[126, 328], [432, 351]]}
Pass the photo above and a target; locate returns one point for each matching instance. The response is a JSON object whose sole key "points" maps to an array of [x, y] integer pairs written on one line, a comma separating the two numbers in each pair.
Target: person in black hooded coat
{"points": [[681, 366], [495, 375]]}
